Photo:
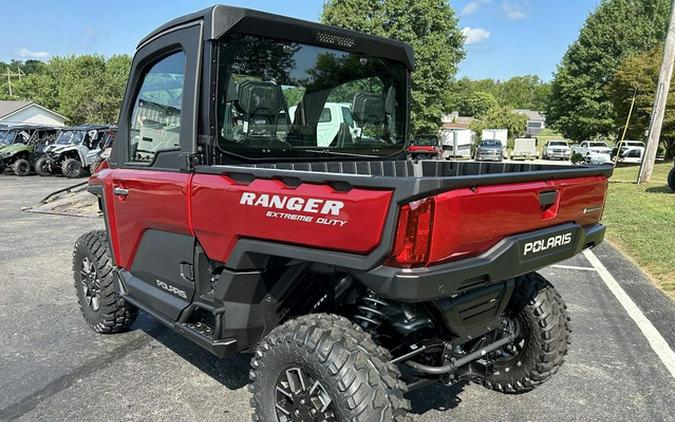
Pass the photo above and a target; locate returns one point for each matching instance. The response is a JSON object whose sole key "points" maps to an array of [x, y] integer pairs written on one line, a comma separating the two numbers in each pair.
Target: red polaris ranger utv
{"points": [[353, 274]]}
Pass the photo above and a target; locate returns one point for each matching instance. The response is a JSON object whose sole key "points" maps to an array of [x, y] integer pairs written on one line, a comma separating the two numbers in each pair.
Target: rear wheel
{"points": [[103, 309], [540, 315], [71, 168], [322, 367], [671, 179], [42, 166], [21, 167]]}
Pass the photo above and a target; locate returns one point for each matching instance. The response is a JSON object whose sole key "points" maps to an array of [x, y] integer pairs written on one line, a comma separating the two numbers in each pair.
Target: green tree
{"points": [[476, 103], [638, 76], [41, 88], [579, 104], [85, 89], [430, 26], [522, 92], [500, 117]]}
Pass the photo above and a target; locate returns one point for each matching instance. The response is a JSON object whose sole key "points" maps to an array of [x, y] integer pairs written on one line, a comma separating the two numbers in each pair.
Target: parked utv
{"points": [[427, 147], [74, 151], [354, 275], [21, 146], [105, 148]]}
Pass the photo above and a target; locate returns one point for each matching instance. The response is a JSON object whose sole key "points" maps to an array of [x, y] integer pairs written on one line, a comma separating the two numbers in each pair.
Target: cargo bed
{"points": [[447, 174]]}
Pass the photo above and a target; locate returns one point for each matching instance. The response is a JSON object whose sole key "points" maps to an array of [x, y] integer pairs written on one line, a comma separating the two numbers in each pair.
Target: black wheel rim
{"points": [[91, 285], [301, 398]]}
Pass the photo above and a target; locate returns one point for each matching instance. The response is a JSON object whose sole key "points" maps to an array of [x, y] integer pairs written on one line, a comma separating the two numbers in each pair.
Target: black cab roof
{"points": [[221, 19]]}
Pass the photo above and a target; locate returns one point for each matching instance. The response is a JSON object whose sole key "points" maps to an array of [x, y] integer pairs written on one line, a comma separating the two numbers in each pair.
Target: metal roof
{"points": [[87, 127], [9, 107]]}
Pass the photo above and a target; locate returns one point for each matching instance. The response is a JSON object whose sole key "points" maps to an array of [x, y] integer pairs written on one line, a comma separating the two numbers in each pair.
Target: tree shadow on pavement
{"points": [[231, 372], [435, 397]]}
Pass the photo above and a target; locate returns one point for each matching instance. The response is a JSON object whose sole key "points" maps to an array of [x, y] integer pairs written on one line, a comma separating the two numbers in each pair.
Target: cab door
{"points": [[147, 186]]}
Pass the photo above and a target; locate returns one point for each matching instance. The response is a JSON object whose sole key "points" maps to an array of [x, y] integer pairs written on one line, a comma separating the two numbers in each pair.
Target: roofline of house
{"points": [[35, 104]]}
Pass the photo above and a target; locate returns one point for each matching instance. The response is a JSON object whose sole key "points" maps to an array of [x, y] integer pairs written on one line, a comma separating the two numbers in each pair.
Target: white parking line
{"points": [[658, 343], [573, 267]]}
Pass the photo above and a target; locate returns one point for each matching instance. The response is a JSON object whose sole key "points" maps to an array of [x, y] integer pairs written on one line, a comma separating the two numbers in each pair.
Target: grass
{"points": [[640, 220]]}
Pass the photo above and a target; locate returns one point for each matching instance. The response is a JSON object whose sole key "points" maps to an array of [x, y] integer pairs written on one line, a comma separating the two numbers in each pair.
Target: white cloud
{"points": [[514, 11], [475, 35], [473, 6], [28, 54]]}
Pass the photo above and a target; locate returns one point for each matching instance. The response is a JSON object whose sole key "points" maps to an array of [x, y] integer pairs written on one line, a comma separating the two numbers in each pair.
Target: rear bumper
{"points": [[505, 260]]}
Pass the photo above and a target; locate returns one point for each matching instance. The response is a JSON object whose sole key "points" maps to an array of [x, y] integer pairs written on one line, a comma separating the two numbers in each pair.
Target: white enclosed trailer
{"points": [[456, 143], [501, 135]]}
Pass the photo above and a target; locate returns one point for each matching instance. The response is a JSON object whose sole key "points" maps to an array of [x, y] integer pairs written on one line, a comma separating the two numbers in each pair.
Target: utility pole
{"points": [[659, 109], [19, 73]]}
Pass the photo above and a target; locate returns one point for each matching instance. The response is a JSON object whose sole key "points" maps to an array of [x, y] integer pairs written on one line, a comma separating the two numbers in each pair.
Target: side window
{"points": [[325, 116], [155, 118], [347, 117]]}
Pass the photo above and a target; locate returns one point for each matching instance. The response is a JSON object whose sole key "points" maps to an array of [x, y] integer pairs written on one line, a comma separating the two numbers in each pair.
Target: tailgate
{"points": [[469, 221]]}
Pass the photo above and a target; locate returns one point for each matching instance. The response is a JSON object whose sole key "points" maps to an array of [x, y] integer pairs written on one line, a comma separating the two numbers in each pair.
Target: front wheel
{"points": [[322, 367], [21, 167], [42, 167], [71, 168], [541, 318], [103, 309]]}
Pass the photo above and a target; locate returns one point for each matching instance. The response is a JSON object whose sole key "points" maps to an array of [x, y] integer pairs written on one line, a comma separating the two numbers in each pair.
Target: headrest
{"points": [[368, 107], [260, 98]]}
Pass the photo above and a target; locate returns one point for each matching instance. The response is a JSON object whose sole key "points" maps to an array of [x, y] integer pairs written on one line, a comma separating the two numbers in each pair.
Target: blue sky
{"points": [[504, 37]]}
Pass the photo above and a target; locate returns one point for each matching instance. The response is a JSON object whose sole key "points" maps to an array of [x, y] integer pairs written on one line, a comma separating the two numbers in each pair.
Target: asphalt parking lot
{"points": [[54, 368]]}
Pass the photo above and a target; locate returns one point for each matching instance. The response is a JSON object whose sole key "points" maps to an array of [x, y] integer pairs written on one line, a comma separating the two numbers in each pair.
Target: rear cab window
{"points": [[279, 99]]}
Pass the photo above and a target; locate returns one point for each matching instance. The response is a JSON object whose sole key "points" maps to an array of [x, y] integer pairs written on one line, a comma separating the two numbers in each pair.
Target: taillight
{"points": [[413, 234]]}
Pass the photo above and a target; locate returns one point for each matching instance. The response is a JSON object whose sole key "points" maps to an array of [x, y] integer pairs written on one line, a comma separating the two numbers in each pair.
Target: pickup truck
{"points": [[631, 151], [352, 274], [557, 149]]}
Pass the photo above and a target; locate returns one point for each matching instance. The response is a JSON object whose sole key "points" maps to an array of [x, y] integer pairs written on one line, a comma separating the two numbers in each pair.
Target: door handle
{"points": [[120, 191]]}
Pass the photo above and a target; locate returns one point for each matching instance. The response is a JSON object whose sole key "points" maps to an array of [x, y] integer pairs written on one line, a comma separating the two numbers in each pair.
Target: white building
{"points": [[28, 113]]}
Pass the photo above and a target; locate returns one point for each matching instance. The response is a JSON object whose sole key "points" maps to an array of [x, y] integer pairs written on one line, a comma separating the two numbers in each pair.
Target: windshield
{"points": [[598, 144], [285, 99], [425, 140], [491, 143], [70, 137], [557, 144], [7, 137]]}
